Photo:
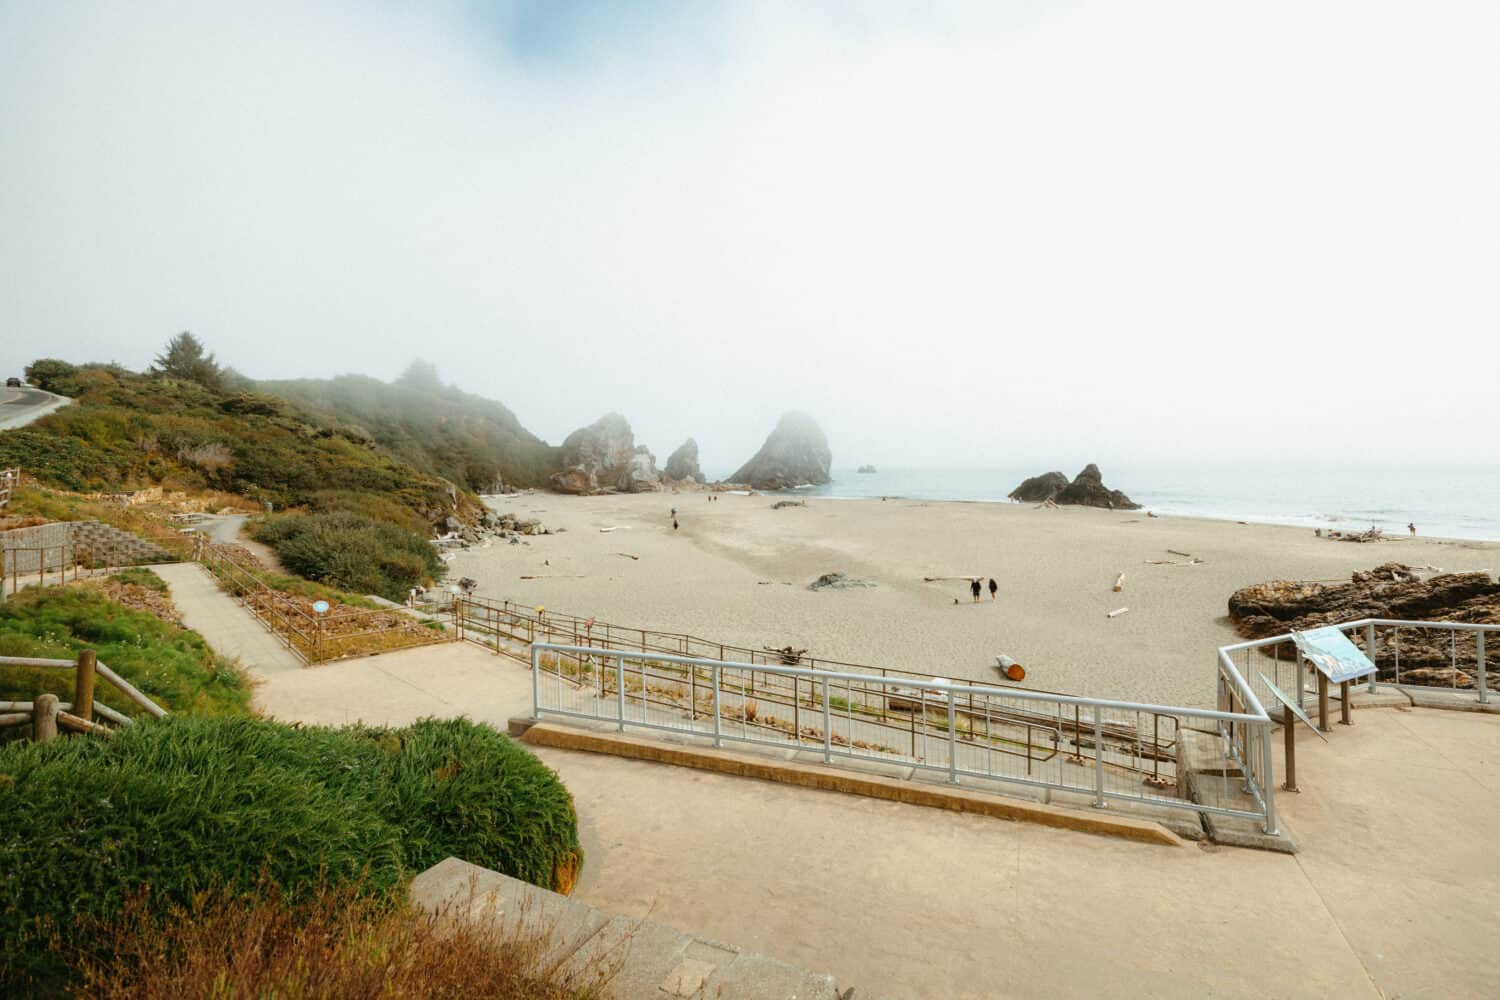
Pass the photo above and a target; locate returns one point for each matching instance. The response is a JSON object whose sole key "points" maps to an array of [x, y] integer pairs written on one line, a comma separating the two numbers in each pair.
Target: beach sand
{"points": [[737, 572]]}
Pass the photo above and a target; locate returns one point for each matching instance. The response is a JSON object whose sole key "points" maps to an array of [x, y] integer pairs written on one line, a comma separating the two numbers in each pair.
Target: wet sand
{"points": [[737, 572]]}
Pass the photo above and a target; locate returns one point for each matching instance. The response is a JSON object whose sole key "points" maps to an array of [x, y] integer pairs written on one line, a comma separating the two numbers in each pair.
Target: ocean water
{"points": [[1458, 502]]}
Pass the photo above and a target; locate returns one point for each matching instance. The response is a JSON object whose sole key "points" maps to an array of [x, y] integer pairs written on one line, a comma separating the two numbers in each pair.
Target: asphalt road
{"points": [[19, 407]]}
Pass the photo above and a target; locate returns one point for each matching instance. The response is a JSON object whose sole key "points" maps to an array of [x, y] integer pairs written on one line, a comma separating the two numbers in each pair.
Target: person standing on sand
{"points": [[674, 524], [994, 588], [1412, 527], [974, 589]]}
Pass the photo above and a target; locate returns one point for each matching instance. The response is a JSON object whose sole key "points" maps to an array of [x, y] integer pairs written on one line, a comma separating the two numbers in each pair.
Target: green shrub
{"points": [[184, 805], [171, 665], [352, 552]]}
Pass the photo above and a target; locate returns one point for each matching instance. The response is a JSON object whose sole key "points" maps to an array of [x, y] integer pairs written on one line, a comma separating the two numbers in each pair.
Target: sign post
{"points": [[1337, 661]]}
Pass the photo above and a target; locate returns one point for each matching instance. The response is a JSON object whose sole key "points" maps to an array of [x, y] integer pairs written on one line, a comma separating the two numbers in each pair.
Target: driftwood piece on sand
{"points": [[628, 555], [1119, 583], [1117, 612]]}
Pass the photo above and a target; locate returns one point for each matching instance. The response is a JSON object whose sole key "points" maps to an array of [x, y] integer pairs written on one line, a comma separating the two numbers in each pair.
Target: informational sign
{"points": [[321, 607], [1291, 705], [1333, 654]]}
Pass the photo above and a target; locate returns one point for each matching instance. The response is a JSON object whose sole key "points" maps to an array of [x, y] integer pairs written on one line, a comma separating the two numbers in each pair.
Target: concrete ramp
{"points": [[640, 958]]}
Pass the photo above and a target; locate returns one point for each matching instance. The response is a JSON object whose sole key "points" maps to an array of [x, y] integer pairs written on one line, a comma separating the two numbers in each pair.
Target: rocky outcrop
{"points": [[683, 463], [1039, 489], [838, 581], [1392, 590], [602, 456], [639, 473], [796, 454], [1088, 490], [866, 469]]}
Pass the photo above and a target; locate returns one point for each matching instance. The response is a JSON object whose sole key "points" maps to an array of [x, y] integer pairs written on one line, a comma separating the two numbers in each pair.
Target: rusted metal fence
{"points": [[342, 631]]}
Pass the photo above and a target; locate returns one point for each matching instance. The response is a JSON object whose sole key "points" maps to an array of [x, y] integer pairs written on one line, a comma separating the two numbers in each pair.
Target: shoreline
{"points": [[737, 571]]}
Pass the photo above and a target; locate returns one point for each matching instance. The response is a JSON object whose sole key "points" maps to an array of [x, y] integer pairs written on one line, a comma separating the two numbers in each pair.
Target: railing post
{"points": [[83, 685], [620, 689], [827, 727], [1268, 781], [536, 683], [1098, 759], [952, 740], [1370, 652], [1484, 693], [718, 738], [44, 718]]}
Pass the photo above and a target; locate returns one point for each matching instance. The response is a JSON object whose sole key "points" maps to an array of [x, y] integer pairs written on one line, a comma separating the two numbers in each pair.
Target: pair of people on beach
{"points": [[975, 588]]}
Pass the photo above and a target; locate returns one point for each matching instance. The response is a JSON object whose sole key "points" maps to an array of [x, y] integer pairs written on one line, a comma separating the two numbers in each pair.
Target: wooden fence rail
{"points": [[47, 713]]}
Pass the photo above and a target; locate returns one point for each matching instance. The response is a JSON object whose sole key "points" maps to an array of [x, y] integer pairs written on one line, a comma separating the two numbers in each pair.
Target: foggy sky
{"points": [[980, 234]]}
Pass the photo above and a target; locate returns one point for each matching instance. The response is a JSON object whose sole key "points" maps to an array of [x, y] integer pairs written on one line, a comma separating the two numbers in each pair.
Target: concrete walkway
{"points": [[1393, 893], [230, 629]]}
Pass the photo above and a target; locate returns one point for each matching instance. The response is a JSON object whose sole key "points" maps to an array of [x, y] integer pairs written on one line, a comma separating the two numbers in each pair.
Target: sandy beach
{"points": [[737, 571]]}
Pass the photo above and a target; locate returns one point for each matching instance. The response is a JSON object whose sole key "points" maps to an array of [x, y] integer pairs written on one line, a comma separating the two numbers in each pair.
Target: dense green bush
{"points": [[352, 552], [172, 665], [183, 805]]}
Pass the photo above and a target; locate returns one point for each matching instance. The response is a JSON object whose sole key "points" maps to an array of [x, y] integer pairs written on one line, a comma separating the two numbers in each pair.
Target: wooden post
{"points": [[1289, 734], [1323, 701], [1344, 719], [44, 718], [83, 686]]}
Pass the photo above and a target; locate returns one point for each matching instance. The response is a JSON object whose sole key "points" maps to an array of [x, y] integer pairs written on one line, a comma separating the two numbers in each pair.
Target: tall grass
{"points": [[336, 943], [184, 805]]}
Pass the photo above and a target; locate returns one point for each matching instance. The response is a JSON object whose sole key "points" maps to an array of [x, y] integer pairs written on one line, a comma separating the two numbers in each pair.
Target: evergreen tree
{"points": [[186, 359]]}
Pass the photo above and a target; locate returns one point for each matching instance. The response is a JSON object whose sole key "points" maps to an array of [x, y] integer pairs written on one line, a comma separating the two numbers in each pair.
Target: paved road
{"points": [[19, 407]]}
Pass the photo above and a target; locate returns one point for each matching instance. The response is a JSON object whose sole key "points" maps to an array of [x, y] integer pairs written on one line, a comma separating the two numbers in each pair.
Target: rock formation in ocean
{"points": [[1040, 488], [1392, 590], [683, 463], [795, 454], [1088, 490], [866, 469], [604, 455]]}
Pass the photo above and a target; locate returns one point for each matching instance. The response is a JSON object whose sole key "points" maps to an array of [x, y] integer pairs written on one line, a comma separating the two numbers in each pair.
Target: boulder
{"points": [[795, 454], [638, 474], [1088, 490], [604, 455], [683, 463], [578, 479], [838, 581], [1039, 489]]}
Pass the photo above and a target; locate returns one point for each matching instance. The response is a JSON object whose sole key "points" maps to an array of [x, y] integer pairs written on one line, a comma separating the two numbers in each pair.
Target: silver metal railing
{"points": [[1399, 648], [1084, 749]]}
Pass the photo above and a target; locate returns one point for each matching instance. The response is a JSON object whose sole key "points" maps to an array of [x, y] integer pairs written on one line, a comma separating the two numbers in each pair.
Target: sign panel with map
{"points": [[1333, 654]]}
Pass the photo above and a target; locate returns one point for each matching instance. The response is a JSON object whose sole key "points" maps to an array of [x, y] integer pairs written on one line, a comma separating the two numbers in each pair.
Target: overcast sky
{"points": [[957, 233]]}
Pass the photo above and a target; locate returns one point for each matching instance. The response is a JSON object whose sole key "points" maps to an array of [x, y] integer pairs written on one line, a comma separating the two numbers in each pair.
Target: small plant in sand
{"points": [[752, 709]]}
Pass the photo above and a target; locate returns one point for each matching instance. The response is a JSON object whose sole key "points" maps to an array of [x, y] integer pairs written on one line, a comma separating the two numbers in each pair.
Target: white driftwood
{"points": [[1119, 583], [1117, 612]]}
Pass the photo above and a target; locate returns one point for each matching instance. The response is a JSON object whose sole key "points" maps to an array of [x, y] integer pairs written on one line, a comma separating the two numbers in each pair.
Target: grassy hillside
{"points": [[129, 430], [438, 429]]}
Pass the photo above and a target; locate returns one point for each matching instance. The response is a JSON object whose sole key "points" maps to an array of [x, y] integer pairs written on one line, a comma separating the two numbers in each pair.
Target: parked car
{"points": [[12, 383]]}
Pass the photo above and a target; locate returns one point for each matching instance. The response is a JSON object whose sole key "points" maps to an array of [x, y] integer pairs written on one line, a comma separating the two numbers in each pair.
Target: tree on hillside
{"points": [[421, 375], [49, 373], [186, 359]]}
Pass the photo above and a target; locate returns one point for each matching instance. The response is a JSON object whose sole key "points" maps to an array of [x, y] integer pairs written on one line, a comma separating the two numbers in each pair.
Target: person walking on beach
{"points": [[974, 589], [1412, 527], [674, 524], [994, 588]]}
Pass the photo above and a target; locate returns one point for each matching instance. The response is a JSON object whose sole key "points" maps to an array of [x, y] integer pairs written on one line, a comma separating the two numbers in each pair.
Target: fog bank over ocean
{"points": [[1448, 502]]}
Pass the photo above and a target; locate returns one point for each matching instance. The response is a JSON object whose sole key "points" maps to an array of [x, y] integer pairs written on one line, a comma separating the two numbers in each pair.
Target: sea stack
{"points": [[604, 456], [796, 454], [683, 463], [1086, 490], [1039, 489]]}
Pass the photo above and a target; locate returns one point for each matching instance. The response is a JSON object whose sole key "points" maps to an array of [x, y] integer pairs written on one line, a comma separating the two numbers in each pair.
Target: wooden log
{"points": [[16, 706], [110, 715], [72, 723], [83, 685], [32, 661], [1117, 612], [14, 719], [129, 691], [44, 718]]}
